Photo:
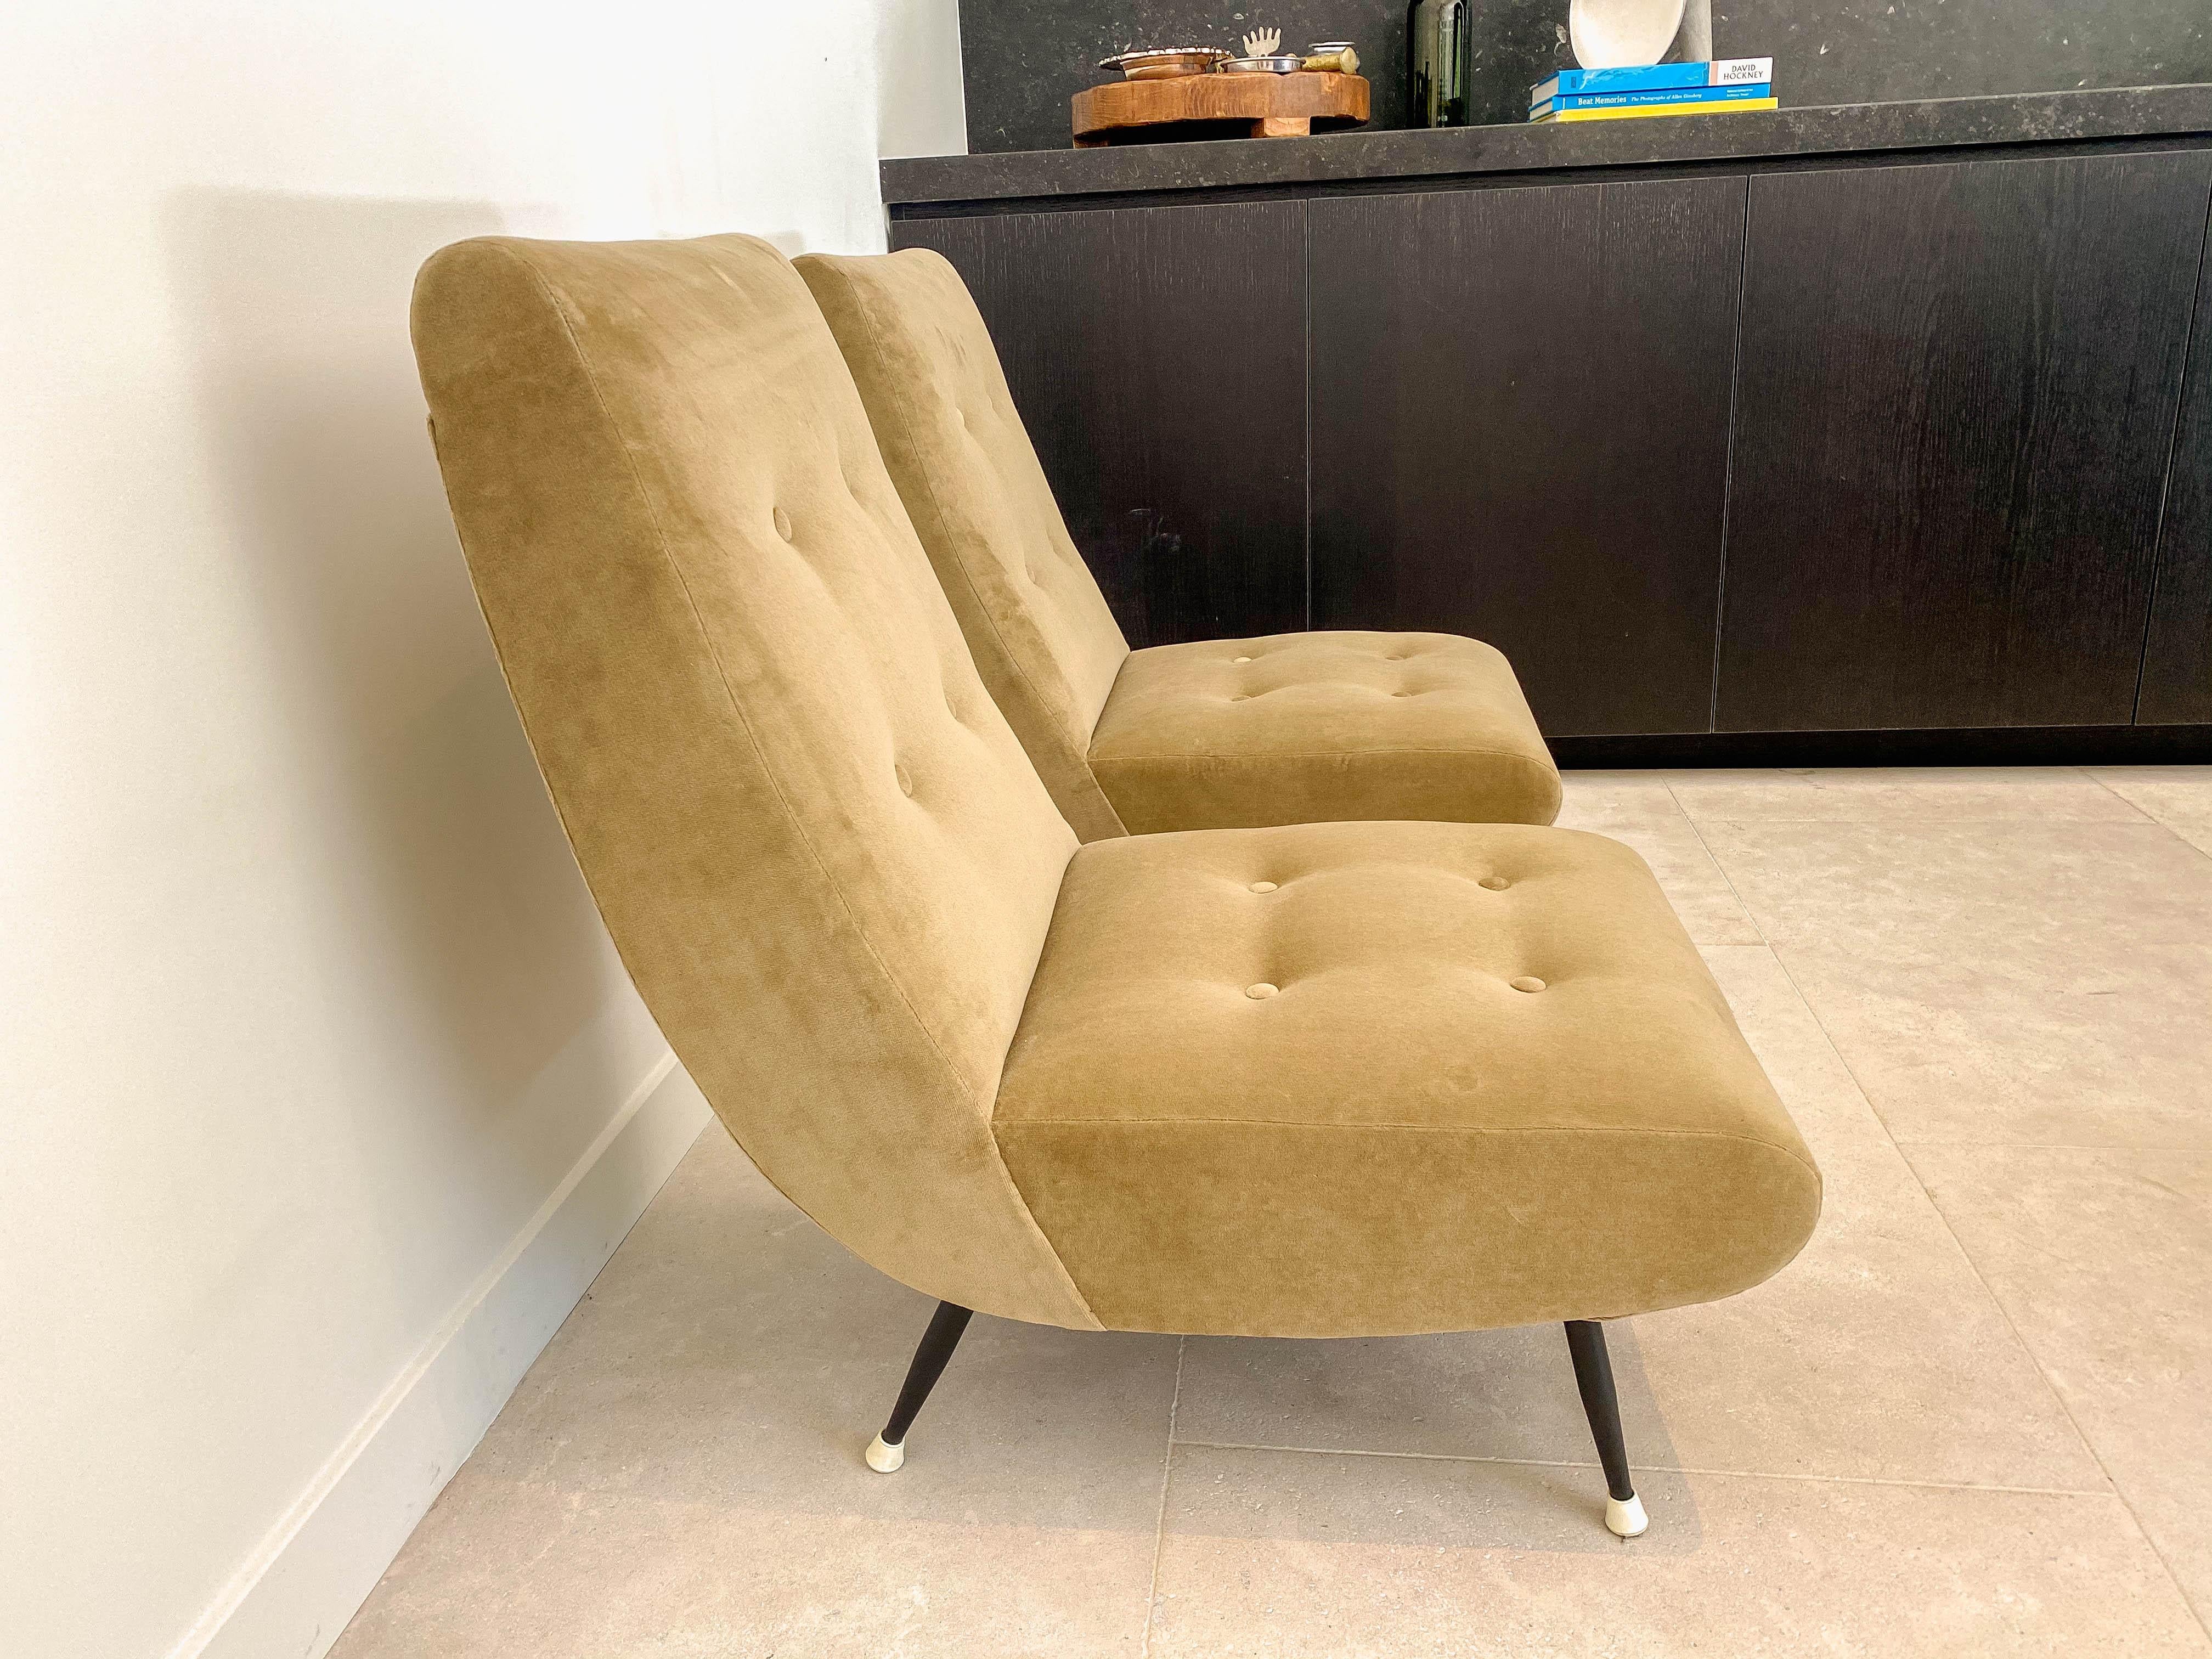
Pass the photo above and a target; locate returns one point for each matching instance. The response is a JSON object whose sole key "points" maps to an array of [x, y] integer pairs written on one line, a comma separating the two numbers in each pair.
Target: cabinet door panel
{"points": [[2177, 680], [1156, 357], [1958, 389], [1520, 408]]}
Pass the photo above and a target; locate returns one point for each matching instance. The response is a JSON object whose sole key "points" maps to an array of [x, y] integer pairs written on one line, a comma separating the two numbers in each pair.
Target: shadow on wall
{"points": [[448, 866]]}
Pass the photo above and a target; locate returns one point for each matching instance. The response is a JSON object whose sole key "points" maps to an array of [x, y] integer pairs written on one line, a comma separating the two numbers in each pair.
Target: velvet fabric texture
{"points": [[1047, 645], [825, 858], [1326, 1079], [1157, 739], [1312, 728], [1375, 1078]]}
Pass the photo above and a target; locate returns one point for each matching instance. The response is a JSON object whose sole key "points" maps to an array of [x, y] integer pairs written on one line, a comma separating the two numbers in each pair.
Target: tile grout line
{"points": [[2041, 1370], [2055, 1146], [1959, 1244], [2133, 805], [2142, 814], [1727, 880], [1160, 1525], [2171, 830], [1660, 1468], [2073, 1422], [1996, 1301], [2106, 787], [2142, 820]]}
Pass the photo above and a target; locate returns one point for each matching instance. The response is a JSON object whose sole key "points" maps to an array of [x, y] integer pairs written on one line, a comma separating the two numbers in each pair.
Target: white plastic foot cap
{"points": [[1624, 1518], [885, 1460]]}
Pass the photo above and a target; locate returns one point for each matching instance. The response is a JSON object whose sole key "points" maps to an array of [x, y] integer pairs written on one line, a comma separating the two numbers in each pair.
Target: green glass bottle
{"points": [[1439, 60]]}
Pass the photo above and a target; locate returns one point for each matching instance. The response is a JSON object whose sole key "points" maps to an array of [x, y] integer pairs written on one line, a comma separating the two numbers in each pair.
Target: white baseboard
{"points": [[292, 1599]]}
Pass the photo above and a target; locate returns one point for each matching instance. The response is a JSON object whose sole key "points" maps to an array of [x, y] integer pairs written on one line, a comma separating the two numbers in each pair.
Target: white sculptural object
{"points": [[1616, 34]]}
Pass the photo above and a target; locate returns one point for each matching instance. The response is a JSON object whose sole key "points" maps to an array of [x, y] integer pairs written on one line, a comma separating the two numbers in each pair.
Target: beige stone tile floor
{"points": [[1974, 1417]]}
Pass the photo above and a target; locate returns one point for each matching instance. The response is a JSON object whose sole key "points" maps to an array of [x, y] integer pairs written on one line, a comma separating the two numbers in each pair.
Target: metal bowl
{"points": [[1166, 63], [1282, 63], [1322, 48]]}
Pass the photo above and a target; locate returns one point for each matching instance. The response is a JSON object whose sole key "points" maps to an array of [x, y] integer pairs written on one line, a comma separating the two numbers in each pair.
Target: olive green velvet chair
{"points": [[1326, 1079], [1214, 734]]}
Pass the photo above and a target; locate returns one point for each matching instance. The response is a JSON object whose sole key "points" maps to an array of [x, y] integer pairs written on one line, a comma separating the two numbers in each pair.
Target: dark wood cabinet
{"points": [[1158, 357], [1958, 388], [1521, 432], [2176, 671], [1881, 458]]}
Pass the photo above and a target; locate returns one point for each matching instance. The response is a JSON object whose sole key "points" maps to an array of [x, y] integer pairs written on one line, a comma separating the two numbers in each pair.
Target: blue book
{"points": [[1657, 77], [1567, 101]]}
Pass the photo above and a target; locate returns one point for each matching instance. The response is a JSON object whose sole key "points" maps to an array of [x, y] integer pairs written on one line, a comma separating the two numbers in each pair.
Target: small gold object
{"points": [[1342, 61]]}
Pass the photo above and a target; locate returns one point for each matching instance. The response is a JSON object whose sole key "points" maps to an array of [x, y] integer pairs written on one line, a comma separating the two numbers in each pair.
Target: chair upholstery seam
{"points": [[936, 505], [1000, 1125], [775, 784]]}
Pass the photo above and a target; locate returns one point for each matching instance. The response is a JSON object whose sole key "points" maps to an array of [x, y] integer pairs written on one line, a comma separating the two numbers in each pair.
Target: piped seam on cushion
{"points": [[775, 784], [1001, 1126], [937, 506], [1267, 756]]}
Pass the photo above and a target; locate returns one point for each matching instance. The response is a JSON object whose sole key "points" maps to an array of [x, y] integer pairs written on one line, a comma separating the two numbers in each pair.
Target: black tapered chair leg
{"points": [[1624, 1510], [887, 1450]]}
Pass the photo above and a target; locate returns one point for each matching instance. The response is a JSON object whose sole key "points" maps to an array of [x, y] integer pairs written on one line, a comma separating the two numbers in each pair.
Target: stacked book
{"points": [[1611, 94]]}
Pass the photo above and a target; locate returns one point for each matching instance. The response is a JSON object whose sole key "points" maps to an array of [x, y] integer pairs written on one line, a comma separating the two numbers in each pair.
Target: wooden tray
{"points": [[1270, 106]]}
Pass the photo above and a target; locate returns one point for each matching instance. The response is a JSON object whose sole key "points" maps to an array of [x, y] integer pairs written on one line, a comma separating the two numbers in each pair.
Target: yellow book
{"points": [[1631, 112]]}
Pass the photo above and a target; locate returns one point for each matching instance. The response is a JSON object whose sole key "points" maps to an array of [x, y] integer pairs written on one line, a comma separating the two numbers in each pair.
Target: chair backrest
{"points": [[821, 851], [1048, 647]]}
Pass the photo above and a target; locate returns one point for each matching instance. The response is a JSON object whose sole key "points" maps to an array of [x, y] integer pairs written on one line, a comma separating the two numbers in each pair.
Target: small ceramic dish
{"points": [[1166, 63], [1276, 66]]}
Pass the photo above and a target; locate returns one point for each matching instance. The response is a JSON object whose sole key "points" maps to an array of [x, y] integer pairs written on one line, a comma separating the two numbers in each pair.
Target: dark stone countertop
{"points": [[1235, 163]]}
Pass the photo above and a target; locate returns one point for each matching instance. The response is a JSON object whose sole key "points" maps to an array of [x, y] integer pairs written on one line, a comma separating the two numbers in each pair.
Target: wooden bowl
{"points": [[1215, 106]]}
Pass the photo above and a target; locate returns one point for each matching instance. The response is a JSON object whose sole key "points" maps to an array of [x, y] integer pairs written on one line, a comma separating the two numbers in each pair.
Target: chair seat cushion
{"points": [[1308, 728], [1372, 1078]]}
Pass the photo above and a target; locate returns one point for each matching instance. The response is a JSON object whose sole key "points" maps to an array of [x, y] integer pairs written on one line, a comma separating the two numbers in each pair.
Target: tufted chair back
{"points": [[1048, 647], [821, 851]]}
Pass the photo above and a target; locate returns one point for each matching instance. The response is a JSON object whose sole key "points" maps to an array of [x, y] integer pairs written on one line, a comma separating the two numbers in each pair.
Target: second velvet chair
{"points": [[1293, 728], [1341, 1079]]}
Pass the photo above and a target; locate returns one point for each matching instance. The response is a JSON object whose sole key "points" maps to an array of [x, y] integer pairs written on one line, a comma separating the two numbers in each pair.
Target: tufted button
{"points": [[1261, 992], [1527, 982], [782, 524], [1242, 660], [1263, 886], [905, 779], [1495, 883]]}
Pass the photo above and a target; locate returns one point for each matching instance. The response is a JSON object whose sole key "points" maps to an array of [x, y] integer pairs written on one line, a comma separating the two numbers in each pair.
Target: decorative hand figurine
{"points": [[1263, 43]]}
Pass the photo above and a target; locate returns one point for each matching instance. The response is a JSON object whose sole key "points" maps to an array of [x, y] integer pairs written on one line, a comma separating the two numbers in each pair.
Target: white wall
{"points": [[924, 107], [308, 1031]]}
